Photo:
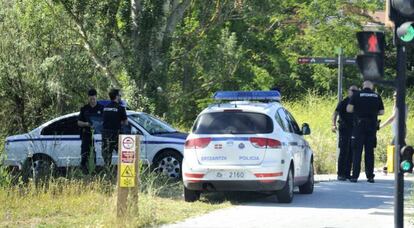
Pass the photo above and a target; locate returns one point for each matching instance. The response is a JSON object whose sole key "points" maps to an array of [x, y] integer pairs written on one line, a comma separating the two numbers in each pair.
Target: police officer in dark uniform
{"points": [[345, 132], [114, 115], [89, 115], [366, 106]]}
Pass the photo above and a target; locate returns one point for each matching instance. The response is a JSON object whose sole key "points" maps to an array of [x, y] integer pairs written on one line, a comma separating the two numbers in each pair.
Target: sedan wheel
{"points": [[38, 169], [169, 163]]}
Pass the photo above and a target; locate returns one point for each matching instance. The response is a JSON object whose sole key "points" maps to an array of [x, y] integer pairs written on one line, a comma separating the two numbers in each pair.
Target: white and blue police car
{"points": [[247, 141], [57, 144]]}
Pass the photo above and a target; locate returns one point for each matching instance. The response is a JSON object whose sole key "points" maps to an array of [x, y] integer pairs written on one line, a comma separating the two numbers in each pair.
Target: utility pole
{"points": [[400, 135]]}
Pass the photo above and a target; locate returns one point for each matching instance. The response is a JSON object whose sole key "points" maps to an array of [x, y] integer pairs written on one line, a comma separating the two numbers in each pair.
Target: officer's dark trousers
{"points": [[345, 152], [364, 136], [109, 144], [87, 151]]}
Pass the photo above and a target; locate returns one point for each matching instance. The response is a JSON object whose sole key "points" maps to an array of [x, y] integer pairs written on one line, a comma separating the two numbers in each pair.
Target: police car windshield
{"points": [[151, 124], [233, 123]]}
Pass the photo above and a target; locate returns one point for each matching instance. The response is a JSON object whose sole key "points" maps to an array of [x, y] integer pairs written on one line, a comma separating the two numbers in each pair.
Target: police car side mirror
{"points": [[306, 129]]}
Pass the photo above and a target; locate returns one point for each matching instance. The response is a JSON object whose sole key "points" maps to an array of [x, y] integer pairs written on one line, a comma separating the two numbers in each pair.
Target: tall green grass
{"points": [[317, 112], [91, 201], [5, 178]]}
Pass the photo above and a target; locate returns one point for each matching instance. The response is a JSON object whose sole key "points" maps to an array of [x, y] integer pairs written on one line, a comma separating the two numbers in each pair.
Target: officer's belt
{"points": [[366, 118]]}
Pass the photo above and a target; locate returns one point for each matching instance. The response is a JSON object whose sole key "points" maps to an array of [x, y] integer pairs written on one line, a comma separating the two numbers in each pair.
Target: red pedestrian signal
{"points": [[372, 43], [371, 59]]}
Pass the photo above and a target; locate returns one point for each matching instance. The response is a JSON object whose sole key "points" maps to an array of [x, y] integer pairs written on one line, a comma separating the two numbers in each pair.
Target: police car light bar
{"points": [[106, 102], [248, 95]]}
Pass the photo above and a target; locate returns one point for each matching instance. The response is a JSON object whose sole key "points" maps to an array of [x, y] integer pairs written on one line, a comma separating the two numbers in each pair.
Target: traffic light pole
{"points": [[400, 136]]}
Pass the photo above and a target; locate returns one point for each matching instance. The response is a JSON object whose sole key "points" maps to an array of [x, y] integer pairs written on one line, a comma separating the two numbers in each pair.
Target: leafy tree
{"points": [[168, 56], [43, 71], [128, 40]]}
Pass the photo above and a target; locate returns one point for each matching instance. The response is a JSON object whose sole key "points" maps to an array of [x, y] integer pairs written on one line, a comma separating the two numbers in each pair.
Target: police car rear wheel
{"points": [[39, 169], [169, 163], [191, 195], [285, 195], [307, 188]]}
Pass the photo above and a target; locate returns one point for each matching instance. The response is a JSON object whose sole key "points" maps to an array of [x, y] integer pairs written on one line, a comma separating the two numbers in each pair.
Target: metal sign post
{"points": [[341, 61], [340, 73], [340, 77], [128, 173]]}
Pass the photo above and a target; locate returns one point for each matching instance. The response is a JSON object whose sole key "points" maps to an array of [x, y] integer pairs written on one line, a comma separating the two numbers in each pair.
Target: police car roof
{"points": [[247, 106], [252, 101], [271, 95]]}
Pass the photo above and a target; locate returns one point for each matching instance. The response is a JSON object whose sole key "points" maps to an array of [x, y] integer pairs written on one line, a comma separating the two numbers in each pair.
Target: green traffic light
{"points": [[409, 35], [406, 166]]}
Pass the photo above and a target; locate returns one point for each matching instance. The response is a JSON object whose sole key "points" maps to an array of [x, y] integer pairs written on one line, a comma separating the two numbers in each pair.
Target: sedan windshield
{"points": [[151, 124]]}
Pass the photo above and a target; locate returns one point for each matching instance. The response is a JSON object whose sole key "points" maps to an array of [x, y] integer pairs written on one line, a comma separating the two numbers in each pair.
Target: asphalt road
{"points": [[333, 204]]}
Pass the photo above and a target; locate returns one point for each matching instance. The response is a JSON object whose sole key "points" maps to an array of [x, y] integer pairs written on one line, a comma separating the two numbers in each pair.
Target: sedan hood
{"points": [[17, 137]]}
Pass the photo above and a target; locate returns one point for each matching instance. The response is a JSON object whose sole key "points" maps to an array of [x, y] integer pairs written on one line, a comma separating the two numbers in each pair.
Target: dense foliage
{"points": [[168, 56]]}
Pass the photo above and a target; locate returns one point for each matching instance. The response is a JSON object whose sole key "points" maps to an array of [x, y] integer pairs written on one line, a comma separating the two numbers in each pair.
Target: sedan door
{"points": [[61, 141]]}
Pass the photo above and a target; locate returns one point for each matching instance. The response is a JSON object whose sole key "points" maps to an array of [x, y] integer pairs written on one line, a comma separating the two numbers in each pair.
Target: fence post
{"points": [[128, 173]]}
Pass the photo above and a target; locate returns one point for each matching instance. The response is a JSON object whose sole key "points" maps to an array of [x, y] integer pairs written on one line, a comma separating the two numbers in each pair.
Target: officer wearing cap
{"points": [[89, 115], [345, 132], [114, 115], [366, 106]]}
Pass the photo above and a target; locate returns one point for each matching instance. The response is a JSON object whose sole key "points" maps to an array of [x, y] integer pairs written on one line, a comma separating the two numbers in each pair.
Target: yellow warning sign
{"points": [[127, 182], [127, 178], [127, 170]]}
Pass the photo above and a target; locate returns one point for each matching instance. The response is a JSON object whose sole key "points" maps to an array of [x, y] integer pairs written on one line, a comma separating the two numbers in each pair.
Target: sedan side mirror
{"points": [[306, 129], [126, 129], [135, 131]]}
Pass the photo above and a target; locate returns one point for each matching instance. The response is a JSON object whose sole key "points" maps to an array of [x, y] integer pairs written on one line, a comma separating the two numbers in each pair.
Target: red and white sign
{"points": [[128, 143], [127, 156]]}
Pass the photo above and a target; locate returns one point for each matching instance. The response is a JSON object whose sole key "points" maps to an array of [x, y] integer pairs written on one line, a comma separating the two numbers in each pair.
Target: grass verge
{"points": [[92, 202]]}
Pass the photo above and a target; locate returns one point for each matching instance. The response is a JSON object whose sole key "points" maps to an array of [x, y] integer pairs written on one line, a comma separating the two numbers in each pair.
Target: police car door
{"points": [[291, 142], [301, 147]]}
